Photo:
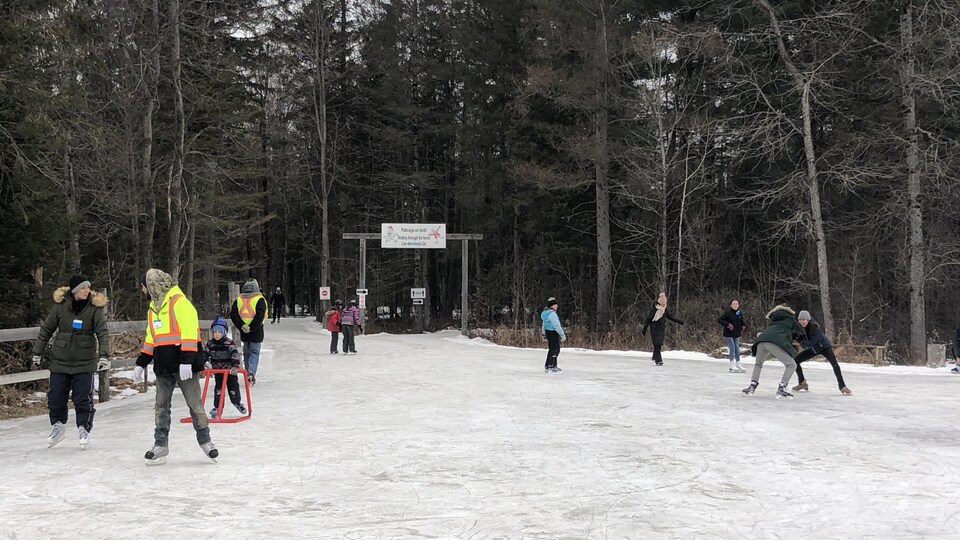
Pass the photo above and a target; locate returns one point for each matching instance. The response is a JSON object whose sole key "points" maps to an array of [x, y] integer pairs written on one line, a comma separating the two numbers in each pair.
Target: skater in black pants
{"points": [[816, 343], [657, 322], [554, 333], [333, 325], [277, 303]]}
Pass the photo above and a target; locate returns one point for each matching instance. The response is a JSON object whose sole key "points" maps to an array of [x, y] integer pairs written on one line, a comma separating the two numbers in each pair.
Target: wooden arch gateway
{"points": [[390, 236]]}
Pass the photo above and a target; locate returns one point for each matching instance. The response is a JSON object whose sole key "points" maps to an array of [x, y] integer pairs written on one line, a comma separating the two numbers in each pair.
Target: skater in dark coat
{"points": [[277, 304], [553, 333], [81, 343], [733, 328], [777, 342], [816, 342], [657, 322]]}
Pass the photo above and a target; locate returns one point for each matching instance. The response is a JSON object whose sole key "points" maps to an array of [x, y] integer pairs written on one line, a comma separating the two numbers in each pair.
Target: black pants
{"points": [[233, 388], [553, 348], [81, 385], [827, 353], [349, 338], [656, 352], [334, 341], [276, 314]]}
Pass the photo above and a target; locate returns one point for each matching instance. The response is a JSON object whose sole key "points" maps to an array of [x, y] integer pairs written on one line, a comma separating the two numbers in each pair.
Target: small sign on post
{"points": [[418, 301], [363, 301], [324, 293], [362, 292], [418, 293]]}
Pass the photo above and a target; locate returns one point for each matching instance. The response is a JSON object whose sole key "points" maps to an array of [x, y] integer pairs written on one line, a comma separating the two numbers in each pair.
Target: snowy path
{"points": [[436, 437]]}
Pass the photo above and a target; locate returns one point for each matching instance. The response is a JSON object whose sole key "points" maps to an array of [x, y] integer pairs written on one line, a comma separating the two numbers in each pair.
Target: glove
{"points": [[103, 364], [138, 374], [643, 332], [730, 326], [359, 328], [234, 370], [245, 329], [563, 338], [36, 360], [186, 372], [743, 328], [208, 365]]}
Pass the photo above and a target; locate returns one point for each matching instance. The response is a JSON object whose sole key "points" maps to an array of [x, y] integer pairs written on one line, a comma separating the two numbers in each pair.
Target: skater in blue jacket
{"points": [[554, 333]]}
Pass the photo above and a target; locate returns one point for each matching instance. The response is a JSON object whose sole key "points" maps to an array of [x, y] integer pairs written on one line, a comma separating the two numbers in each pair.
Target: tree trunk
{"points": [[152, 75], [175, 210], [813, 187], [918, 322], [517, 274], [601, 167], [70, 185]]}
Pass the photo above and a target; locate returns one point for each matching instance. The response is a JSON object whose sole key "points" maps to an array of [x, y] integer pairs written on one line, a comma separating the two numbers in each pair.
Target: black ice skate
{"points": [[748, 391], [782, 392]]}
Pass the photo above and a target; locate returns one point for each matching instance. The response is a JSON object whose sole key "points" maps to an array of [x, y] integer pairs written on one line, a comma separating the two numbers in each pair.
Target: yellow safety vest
{"points": [[174, 323], [247, 308]]}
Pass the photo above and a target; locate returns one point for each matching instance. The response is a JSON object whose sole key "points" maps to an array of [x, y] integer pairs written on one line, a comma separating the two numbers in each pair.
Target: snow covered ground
{"points": [[436, 436]]}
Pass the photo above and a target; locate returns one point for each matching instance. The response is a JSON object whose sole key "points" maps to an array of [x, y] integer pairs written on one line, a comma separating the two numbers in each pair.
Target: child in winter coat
{"points": [[816, 342], [333, 325], [554, 334], [222, 353], [733, 328]]}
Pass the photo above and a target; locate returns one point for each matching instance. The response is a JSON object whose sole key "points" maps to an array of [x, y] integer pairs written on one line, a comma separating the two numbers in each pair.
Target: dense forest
{"points": [[798, 151]]}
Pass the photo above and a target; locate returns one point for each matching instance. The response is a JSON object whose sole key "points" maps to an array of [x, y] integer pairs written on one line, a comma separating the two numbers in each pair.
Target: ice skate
{"points": [[733, 368], [846, 391], [956, 369], [748, 391], [782, 392], [210, 451], [241, 408], [156, 455], [802, 387], [555, 369], [740, 368], [213, 413], [56, 435], [253, 379], [84, 437]]}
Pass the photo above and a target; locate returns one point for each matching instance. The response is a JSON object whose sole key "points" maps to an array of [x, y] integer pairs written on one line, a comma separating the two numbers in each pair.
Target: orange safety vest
{"points": [[247, 308], [163, 325]]}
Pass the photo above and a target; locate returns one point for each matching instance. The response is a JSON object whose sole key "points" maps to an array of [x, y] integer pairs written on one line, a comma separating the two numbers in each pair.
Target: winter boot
{"points": [[782, 392], [846, 391], [56, 435], [210, 451], [241, 408], [84, 437], [748, 391], [253, 379], [156, 455], [802, 387]]}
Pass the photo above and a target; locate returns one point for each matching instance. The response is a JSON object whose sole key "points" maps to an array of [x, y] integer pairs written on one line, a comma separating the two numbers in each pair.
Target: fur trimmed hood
{"points": [[98, 299], [781, 307]]}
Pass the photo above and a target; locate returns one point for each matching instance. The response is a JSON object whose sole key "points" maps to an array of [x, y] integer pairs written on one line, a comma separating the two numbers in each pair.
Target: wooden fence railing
{"points": [[30, 334]]}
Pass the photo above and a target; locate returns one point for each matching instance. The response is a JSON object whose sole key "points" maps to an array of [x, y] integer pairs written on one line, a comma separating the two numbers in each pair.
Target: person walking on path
{"points": [[733, 328], [333, 325], [221, 353], [776, 342], [554, 333], [172, 337], [816, 342], [349, 324], [277, 303], [657, 322], [248, 314], [80, 336], [956, 352]]}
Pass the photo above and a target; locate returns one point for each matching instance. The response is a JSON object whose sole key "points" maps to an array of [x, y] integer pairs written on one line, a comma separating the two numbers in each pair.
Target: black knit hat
{"points": [[551, 301], [77, 282]]}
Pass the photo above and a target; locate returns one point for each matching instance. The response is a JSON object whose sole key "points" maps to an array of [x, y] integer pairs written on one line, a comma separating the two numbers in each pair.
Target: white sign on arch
{"points": [[413, 235]]}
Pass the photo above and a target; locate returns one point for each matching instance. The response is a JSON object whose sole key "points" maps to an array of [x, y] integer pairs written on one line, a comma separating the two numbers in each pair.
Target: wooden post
{"points": [[104, 392], [464, 284]]}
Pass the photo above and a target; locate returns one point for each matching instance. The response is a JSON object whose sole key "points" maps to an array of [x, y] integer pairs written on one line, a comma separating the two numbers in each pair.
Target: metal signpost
{"points": [[418, 236]]}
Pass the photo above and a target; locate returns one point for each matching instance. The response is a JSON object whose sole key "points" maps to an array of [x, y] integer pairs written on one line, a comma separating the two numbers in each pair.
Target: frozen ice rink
{"points": [[436, 436]]}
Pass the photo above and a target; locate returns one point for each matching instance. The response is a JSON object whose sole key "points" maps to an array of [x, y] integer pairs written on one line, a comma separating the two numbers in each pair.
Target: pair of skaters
{"points": [[776, 341]]}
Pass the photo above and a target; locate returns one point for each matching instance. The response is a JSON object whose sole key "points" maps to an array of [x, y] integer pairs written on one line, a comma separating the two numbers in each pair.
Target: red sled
{"points": [[223, 396]]}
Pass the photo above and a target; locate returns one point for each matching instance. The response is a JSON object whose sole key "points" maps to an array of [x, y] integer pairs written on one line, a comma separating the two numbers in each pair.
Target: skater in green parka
{"points": [[777, 342]]}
